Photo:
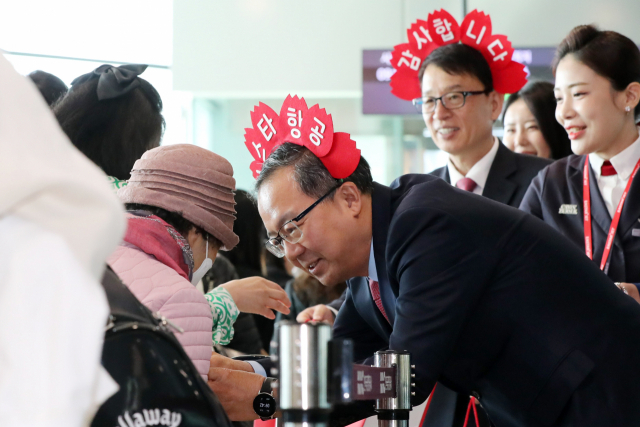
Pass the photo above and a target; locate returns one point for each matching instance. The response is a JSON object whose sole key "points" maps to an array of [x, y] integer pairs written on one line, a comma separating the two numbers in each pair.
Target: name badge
{"points": [[568, 210], [635, 232]]}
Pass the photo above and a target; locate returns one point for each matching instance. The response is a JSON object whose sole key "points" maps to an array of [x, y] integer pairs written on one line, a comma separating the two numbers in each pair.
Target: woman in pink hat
{"points": [[180, 202]]}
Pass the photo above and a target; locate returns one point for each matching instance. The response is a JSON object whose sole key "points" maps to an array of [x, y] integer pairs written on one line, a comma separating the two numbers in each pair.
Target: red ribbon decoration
{"points": [[308, 127], [441, 29], [586, 199]]}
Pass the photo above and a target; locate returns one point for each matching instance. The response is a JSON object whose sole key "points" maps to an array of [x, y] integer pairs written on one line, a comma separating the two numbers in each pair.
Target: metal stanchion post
{"points": [[394, 412], [303, 367], [316, 372]]}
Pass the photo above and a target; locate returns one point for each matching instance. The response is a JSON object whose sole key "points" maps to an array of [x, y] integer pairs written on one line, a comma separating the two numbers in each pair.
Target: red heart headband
{"points": [[308, 127], [441, 29]]}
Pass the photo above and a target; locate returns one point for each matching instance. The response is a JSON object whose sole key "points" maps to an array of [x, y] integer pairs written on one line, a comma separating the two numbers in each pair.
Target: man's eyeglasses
{"points": [[450, 101], [289, 231]]}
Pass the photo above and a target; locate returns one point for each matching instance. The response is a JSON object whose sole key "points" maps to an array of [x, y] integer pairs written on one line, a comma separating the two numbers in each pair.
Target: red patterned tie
{"points": [[375, 293], [608, 169], [466, 184]]}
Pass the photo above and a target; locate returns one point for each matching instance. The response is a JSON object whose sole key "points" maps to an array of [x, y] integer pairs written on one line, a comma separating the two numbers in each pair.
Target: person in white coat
{"points": [[59, 220]]}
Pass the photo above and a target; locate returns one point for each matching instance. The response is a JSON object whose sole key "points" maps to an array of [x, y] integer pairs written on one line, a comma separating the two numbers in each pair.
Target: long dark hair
{"points": [[610, 54], [113, 133], [539, 98], [247, 255]]}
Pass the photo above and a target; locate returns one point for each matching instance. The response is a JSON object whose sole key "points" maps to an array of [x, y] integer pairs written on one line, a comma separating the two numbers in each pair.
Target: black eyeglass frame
{"points": [[419, 102], [277, 241]]}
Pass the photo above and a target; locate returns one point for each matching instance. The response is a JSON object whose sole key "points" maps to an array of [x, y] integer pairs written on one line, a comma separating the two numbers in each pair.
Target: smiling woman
{"points": [[597, 89], [530, 124], [598, 98]]}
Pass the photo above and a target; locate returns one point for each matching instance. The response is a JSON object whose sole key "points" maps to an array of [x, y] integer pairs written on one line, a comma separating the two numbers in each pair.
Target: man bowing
{"points": [[488, 300]]}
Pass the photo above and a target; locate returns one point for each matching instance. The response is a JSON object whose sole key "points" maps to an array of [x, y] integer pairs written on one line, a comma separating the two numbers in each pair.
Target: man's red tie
{"points": [[375, 293], [608, 169], [466, 184]]}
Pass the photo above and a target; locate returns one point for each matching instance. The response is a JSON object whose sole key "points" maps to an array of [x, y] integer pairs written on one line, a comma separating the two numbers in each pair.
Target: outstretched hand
{"points": [[317, 313], [259, 296], [236, 391]]}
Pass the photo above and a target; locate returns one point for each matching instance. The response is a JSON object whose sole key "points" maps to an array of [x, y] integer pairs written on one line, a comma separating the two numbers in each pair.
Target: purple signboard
{"points": [[377, 71]]}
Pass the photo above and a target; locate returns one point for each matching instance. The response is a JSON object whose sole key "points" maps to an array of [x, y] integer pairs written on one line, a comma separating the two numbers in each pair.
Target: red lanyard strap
{"points": [[586, 199]]}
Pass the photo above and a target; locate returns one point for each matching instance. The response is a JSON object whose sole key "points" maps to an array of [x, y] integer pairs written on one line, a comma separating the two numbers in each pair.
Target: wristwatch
{"points": [[264, 403]]}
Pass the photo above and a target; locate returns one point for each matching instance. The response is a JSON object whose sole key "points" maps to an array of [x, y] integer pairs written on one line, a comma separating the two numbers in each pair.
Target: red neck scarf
{"points": [[155, 237]]}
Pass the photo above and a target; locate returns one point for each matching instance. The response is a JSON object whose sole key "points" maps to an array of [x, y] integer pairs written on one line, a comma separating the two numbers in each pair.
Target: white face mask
{"points": [[204, 267]]}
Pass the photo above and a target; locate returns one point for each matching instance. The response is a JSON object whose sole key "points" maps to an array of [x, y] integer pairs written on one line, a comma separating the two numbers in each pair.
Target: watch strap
{"points": [[266, 389], [267, 386]]}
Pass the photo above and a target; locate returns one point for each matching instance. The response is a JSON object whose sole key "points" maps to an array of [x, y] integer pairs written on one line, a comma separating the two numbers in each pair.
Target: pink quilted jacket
{"points": [[162, 289]]}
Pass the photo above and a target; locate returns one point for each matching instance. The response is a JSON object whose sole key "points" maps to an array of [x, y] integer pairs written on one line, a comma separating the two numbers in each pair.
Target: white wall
{"points": [[137, 31], [546, 22], [269, 48], [45, 33], [246, 48]]}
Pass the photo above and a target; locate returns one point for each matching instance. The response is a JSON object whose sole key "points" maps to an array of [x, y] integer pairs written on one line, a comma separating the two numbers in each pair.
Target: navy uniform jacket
{"points": [[509, 176], [491, 301], [555, 196]]}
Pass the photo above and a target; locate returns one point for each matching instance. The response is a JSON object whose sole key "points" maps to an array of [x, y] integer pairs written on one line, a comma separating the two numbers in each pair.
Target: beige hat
{"points": [[188, 180]]}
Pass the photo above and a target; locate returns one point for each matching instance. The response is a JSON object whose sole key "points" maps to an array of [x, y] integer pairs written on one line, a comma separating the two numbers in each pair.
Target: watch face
{"points": [[264, 405]]}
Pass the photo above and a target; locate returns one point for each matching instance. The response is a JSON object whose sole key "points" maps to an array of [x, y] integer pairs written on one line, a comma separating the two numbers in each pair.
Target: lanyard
{"points": [[586, 198]]}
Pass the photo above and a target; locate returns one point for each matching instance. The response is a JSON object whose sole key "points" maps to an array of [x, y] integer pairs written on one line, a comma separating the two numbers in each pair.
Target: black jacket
{"points": [[561, 184], [509, 176], [492, 302], [508, 180]]}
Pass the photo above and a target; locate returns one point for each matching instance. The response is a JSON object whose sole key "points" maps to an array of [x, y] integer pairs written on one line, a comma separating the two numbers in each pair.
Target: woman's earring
{"points": [[627, 109]]}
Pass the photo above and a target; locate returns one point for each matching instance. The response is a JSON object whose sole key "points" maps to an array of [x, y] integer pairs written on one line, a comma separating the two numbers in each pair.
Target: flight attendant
{"points": [[530, 125], [593, 197]]}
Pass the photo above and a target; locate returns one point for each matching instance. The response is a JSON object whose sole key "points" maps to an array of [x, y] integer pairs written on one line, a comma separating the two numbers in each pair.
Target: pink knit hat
{"points": [[188, 180]]}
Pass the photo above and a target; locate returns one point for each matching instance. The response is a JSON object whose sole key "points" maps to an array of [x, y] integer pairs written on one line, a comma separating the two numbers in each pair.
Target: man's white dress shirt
{"points": [[478, 172]]}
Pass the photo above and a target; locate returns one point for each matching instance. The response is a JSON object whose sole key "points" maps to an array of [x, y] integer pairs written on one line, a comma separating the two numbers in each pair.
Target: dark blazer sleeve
{"points": [[441, 267], [532, 201], [337, 303], [349, 324]]}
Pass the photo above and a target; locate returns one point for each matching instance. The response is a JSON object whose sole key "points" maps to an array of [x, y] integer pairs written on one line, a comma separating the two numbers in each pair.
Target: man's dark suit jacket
{"points": [[509, 176], [491, 301], [561, 184]]}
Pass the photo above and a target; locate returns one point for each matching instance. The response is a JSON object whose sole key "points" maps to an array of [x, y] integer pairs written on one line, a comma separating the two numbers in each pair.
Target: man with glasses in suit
{"points": [[459, 107], [488, 300]]}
